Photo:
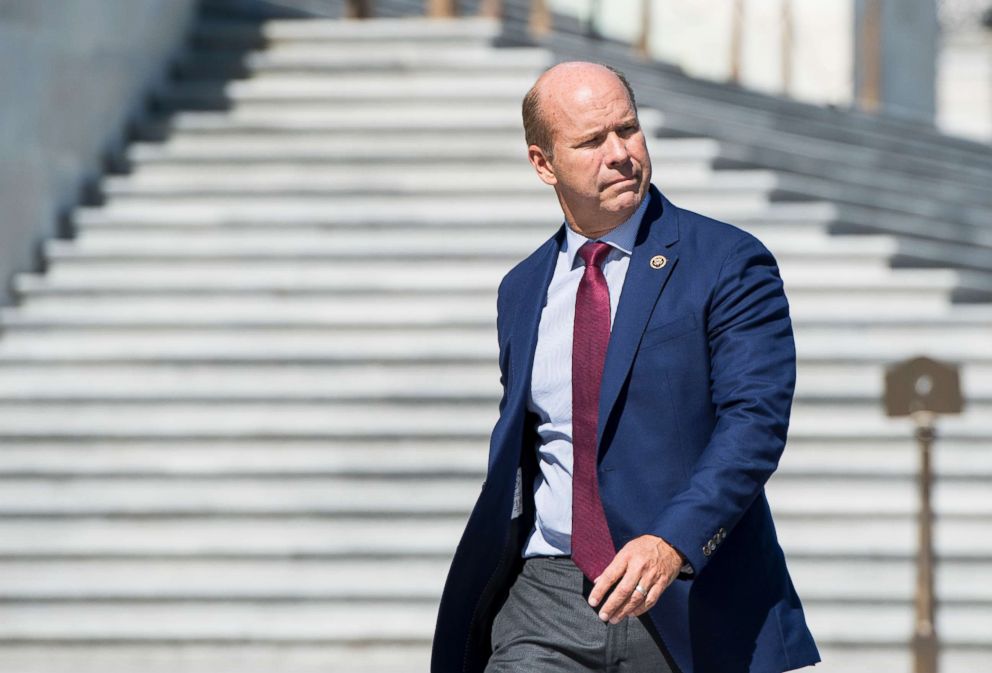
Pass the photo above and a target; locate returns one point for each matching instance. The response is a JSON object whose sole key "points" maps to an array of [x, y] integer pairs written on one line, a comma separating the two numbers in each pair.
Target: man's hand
{"points": [[647, 560]]}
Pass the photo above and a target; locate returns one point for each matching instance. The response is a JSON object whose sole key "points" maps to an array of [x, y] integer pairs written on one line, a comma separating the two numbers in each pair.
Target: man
{"points": [[648, 368]]}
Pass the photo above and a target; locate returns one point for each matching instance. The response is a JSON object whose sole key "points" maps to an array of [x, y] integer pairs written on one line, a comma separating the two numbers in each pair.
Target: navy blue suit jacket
{"points": [[694, 409]]}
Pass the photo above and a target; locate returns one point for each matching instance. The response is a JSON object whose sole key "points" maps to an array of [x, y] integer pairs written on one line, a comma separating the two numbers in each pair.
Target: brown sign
{"points": [[922, 384]]}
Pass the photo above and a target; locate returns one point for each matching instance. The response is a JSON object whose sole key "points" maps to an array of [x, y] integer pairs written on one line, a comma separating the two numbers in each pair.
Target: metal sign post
{"points": [[922, 388]]}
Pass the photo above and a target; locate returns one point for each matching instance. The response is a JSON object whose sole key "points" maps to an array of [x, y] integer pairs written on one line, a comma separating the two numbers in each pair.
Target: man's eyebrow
{"points": [[592, 135]]}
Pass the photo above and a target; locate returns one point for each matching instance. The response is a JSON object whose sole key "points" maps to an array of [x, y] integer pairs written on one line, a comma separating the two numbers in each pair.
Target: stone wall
{"points": [[72, 73]]}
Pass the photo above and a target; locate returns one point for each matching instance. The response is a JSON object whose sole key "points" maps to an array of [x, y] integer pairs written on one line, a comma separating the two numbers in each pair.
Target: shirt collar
{"points": [[621, 237]]}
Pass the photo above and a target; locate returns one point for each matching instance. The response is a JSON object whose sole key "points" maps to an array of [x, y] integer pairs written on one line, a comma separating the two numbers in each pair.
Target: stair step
{"points": [[358, 458], [334, 121], [469, 418], [278, 174], [243, 419], [327, 346], [910, 227], [240, 496], [274, 207], [320, 621], [748, 193], [869, 196], [470, 382], [843, 658], [843, 169], [257, 580], [413, 213], [834, 544], [824, 544], [322, 59], [340, 90], [403, 497], [839, 622], [429, 32], [182, 153], [220, 536], [146, 458], [804, 456], [412, 580], [815, 496], [94, 656], [222, 621], [500, 244], [328, 119], [123, 263], [330, 180], [348, 314], [116, 273], [438, 278], [474, 379], [860, 460]]}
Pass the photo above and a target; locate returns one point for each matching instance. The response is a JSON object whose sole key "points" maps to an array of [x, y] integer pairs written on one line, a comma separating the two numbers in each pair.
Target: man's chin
{"points": [[628, 198]]}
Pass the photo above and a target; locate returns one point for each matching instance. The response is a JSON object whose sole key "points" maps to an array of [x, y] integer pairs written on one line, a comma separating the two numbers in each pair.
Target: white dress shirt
{"points": [[551, 382]]}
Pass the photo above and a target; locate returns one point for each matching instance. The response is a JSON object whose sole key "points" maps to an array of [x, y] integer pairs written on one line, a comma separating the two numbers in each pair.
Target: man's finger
{"points": [[621, 592], [636, 599], [627, 608], [654, 593], [609, 576]]}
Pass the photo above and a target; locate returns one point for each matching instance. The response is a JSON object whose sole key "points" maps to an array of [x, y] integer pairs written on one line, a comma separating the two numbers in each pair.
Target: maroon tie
{"points": [[592, 547]]}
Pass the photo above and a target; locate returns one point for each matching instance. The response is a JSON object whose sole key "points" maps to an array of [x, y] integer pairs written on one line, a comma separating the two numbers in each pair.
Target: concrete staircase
{"points": [[245, 411]]}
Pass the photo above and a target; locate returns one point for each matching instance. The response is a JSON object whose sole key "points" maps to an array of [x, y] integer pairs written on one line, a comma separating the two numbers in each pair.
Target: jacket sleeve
{"points": [[752, 380]]}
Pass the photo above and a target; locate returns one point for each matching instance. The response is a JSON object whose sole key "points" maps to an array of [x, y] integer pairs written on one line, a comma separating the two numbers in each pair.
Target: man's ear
{"points": [[539, 160]]}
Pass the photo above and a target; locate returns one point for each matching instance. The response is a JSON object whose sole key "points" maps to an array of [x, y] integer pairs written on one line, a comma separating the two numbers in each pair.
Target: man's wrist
{"points": [[686, 567]]}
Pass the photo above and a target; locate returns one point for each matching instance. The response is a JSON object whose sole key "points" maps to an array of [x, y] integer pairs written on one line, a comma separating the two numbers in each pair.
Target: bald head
{"points": [[559, 87], [584, 139]]}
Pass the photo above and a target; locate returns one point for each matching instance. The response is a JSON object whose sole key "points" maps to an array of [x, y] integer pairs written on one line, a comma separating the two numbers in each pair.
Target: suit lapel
{"points": [[641, 288]]}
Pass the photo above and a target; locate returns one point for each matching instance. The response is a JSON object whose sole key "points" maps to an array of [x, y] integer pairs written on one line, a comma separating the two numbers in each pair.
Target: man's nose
{"points": [[616, 149]]}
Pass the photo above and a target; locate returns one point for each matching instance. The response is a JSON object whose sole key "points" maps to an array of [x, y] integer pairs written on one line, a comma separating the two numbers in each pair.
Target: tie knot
{"points": [[594, 252]]}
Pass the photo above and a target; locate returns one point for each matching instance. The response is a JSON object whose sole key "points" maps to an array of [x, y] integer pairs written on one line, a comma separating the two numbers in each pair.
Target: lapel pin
{"points": [[658, 261]]}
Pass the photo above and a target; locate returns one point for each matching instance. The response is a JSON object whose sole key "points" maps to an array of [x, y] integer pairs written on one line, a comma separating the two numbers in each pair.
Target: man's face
{"points": [[600, 162]]}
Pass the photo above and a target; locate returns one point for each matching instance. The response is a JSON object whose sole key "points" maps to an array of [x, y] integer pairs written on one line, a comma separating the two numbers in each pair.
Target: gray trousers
{"points": [[546, 625]]}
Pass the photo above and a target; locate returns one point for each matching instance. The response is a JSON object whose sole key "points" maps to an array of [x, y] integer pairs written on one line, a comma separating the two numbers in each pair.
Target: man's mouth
{"points": [[621, 181]]}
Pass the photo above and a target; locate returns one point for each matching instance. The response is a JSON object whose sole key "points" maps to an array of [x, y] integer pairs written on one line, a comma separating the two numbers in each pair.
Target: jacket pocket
{"points": [[670, 329]]}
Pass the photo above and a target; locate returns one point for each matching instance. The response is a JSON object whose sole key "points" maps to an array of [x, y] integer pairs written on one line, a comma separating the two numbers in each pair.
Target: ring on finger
{"points": [[642, 590]]}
